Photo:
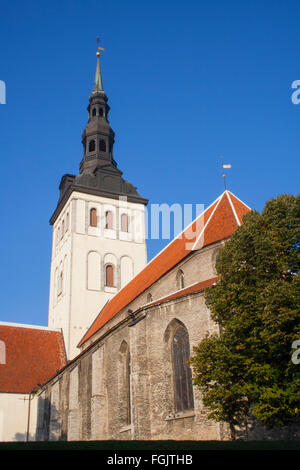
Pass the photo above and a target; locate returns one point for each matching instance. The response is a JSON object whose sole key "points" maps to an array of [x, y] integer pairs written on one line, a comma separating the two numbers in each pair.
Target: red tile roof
{"points": [[193, 289], [216, 223], [32, 356]]}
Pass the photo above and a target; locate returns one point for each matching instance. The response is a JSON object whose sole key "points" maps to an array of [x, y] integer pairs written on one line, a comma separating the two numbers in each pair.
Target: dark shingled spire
{"points": [[98, 172]]}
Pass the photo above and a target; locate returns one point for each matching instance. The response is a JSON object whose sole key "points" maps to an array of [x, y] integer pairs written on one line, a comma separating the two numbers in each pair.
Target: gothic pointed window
{"points": [[102, 145], [93, 217], [124, 223], [109, 220], [92, 146], [183, 387], [109, 275]]}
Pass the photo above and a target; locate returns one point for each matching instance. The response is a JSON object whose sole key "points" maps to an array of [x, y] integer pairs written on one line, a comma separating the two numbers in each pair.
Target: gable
{"points": [[216, 223]]}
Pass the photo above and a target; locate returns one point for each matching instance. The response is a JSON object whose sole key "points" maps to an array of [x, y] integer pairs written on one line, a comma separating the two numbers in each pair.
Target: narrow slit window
{"points": [[60, 283], [180, 279]]}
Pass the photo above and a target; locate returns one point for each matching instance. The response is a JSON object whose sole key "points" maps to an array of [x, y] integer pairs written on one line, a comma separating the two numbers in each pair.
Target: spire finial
{"points": [[98, 47], [223, 172], [98, 86]]}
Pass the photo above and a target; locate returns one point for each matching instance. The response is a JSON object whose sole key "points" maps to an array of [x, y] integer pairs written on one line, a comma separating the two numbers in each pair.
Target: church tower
{"points": [[98, 242]]}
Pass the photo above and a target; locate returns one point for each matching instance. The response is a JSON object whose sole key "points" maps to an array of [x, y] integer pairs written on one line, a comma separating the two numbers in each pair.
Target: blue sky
{"points": [[187, 82]]}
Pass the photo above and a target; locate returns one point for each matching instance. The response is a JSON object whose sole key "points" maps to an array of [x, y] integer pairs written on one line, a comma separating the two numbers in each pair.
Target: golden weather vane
{"points": [[98, 47], [223, 172]]}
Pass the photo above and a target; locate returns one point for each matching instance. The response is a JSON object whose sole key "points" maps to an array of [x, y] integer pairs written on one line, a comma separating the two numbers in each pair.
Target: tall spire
{"points": [[98, 171], [98, 84]]}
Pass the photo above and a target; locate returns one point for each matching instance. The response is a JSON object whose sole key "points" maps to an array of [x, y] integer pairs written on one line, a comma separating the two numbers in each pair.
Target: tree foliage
{"points": [[248, 366]]}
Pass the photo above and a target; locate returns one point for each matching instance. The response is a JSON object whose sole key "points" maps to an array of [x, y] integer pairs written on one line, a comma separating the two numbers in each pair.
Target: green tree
{"points": [[247, 366]]}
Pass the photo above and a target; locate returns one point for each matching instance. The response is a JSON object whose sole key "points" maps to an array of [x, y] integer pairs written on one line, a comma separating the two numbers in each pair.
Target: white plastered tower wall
{"points": [[80, 253]]}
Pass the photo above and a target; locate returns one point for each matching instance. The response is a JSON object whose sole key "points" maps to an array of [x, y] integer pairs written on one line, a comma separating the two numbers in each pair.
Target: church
{"points": [[112, 363]]}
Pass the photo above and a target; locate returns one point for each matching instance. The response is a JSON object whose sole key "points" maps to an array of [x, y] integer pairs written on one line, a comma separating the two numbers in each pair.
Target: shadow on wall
{"points": [[49, 426], [254, 430], [22, 437]]}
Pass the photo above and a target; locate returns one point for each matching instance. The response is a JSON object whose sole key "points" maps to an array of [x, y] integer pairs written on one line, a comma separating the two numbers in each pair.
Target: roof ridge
{"points": [[30, 327], [206, 282], [172, 293], [242, 202], [208, 220], [180, 234], [233, 209]]}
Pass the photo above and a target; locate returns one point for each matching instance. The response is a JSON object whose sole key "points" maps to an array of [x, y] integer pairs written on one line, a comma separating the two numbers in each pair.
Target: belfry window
{"points": [[101, 112], [102, 145], [109, 220], [93, 217], [183, 387], [124, 223], [92, 146], [94, 112], [109, 275]]}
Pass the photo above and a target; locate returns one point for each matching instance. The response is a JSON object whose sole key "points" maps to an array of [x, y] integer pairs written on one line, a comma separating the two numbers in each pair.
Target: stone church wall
{"points": [[122, 386]]}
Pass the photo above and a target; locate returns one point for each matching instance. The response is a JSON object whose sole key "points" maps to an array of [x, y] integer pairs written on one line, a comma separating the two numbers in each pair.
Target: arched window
{"points": [[67, 222], [2, 353], [109, 220], [125, 392], [102, 145], [93, 271], [124, 223], [180, 279], [93, 217], [183, 387], [62, 229], [101, 112], [92, 146], [94, 112], [109, 275]]}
